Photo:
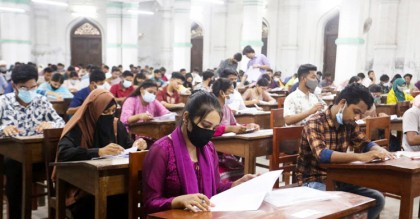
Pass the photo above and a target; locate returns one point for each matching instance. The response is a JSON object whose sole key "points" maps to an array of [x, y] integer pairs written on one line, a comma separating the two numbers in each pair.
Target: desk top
{"points": [[24, 139], [153, 122], [252, 113], [101, 164], [263, 133], [346, 204], [402, 164]]}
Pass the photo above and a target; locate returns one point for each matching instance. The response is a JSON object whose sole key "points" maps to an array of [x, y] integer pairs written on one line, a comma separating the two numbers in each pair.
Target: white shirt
{"points": [[237, 102], [298, 102], [411, 123]]}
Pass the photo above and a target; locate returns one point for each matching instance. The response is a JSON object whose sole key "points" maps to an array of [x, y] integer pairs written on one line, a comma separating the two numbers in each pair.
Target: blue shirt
{"points": [[9, 88], [62, 91], [79, 97]]}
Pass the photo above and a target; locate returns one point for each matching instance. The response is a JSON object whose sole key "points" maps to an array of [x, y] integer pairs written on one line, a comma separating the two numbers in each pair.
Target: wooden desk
{"points": [[400, 177], [260, 118], [396, 125], [347, 204], [28, 151], [177, 110], [101, 178], [389, 109], [281, 92], [154, 129], [248, 146], [277, 96], [268, 106], [184, 98], [61, 106]]}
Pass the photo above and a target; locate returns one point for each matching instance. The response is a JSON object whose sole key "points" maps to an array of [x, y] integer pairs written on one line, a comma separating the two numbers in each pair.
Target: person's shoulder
{"points": [[163, 145]]}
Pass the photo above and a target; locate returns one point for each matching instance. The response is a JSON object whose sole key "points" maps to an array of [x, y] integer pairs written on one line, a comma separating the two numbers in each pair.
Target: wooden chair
{"points": [[50, 145], [280, 101], [286, 142], [402, 107], [276, 118], [379, 123], [135, 167]]}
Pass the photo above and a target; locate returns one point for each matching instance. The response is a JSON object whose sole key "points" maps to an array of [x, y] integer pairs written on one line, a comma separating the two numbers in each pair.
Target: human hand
{"points": [[110, 149], [10, 130], [145, 116], [180, 105], [140, 144], [42, 126], [256, 66], [253, 126], [193, 202], [238, 129], [317, 107]]}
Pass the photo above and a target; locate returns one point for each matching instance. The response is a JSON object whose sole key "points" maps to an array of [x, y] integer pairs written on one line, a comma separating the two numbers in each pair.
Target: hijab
{"points": [[96, 130], [399, 94]]}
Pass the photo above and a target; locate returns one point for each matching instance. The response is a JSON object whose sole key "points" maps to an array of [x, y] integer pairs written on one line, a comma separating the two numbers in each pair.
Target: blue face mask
{"points": [[229, 100], [26, 96], [339, 115]]}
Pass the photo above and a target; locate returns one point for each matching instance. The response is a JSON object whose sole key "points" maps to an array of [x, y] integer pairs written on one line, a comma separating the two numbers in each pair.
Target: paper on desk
{"points": [[249, 110], [285, 197], [122, 154], [21, 137], [258, 133], [228, 134], [277, 89], [169, 116], [247, 196], [409, 154]]}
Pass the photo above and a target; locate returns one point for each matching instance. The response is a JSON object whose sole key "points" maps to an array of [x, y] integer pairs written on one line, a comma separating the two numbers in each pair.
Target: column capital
{"points": [[257, 43], [183, 44], [349, 41]]}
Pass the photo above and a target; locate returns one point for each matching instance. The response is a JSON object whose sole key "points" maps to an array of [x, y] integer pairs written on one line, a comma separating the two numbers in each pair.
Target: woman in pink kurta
{"points": [[142, 105], [181, 169]]}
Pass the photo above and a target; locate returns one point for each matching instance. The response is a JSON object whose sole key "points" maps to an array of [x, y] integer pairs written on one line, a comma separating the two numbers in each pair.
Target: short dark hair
{"points": [[221, 84], [361, 75], [369, 71], [384, 77], [188, 75], [115, 69], [354, 93], [227, 71], [73, 74], [157, 71], [396, 76], [237, 57], [374, 88], [182, 69], [354, 79], [60, 64], [162, 69], [319, 73], [71, 68], [54, 67], [200, 104], [23, 73], [146, 84], [58, 77], [96, 76], [106, 67], [248, 49], [207, 75], [305, 69], [177, 75], [262, 82], [408, 75], [270, 70], [127, 74], [48, 70]]}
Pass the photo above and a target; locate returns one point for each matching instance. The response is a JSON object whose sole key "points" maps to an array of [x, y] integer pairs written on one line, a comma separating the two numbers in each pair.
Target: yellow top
{"points": [[392, 99]]}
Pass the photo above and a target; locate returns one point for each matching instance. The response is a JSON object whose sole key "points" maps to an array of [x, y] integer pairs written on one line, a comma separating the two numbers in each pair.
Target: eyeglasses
{"points": [[28, 89]]}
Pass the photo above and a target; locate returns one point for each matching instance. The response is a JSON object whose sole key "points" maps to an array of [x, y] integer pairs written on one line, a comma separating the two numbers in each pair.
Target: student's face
{"points": [[250, 55], [269, 73], [232, 78], [48, 76], [158, 75], [190, 79], [139, 80], [152, 90], [129, 78], [353, 112], [110, 111], [261, 89], [100, 83], [407, 80], [55, 84], [175, 82], [29, 85], [228, 92], [116, 74], [371, 74], [210, 122]]}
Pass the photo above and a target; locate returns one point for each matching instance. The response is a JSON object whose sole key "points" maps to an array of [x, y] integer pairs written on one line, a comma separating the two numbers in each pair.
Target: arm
{"points": [[51, 116], [268, 98], [160, 109], [391, 98], [70, 149], [410, 128], [124, 139], [72, 110], [128, 112], [291, 119]]}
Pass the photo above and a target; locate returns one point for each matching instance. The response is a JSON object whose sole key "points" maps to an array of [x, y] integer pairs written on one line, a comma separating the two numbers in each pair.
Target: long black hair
{"points": [[200, 104]]}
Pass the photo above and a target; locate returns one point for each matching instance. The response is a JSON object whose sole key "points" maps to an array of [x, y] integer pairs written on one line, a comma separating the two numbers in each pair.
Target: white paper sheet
{"points": [[122, 154], [285, 197], [166, 117], [409, 154], [253, 74], [247, 196]]}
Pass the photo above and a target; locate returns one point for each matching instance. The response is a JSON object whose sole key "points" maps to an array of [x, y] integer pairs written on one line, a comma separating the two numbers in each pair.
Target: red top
{"points": [[163, 95], [118, 90]]}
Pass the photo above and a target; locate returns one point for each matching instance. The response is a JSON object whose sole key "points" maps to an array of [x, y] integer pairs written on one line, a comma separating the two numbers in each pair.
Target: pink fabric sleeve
{"points": [[128, 109], [219, 130], [160, 109], [154, 180]]}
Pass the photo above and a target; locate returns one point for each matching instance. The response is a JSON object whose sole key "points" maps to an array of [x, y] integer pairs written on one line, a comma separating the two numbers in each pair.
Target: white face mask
{"points": [[108, 75], [148, 97], [276, 79], [100, 86], [229, 99], [127, 84], [73, 82]]}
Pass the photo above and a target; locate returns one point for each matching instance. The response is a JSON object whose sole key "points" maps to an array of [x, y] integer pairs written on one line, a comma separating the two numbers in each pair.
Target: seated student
{"points": [[291, 81], [142, 105], [188, 81], [411, 127], [327, 136], [158, 78], [55, 89], [396, 76], [169, 95], [115, 76], [97, 80], [396, 94], [47, 74], [73, 83], [376, 91], [301, 104], [258, 94], [140, 77], [94, 132], [123, 89], [223, 90], [326, 81], [276, 82], [384, 83], [24, 113], [208, 79], [236, 102], [408, 84], [181, 170]]}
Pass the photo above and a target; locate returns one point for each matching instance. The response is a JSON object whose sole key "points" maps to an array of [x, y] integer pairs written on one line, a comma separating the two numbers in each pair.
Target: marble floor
{"points": [[391, 210]]}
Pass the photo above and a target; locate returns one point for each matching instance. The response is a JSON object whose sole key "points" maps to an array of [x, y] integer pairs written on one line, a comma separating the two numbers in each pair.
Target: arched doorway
{"points": [[330, 48], [197, 47], [86, 44], [264, 38]]}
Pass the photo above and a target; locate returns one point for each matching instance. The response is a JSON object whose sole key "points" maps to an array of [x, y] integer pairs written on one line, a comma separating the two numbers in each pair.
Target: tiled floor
{"points": [[391, 210]]}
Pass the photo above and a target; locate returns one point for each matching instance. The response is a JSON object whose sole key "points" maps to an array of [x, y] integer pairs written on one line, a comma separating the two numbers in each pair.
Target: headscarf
{"points": [[399, 94], [417, 84], [87, 117]]}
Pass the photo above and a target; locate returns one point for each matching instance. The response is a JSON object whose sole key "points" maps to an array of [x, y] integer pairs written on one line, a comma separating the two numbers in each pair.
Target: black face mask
{"points": [[198, 136], [54, 88], [104, 131], [234, 85], [211, 82]]}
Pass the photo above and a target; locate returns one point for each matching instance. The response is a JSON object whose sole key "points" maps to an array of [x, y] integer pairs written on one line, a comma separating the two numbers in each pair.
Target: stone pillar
{"points": [[166, 46], [122, 34], [15, 33], [350, 41], [181, 35], [385, 48], [252, 19], [215, 40]]}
